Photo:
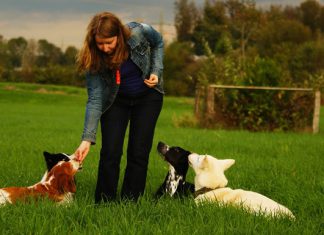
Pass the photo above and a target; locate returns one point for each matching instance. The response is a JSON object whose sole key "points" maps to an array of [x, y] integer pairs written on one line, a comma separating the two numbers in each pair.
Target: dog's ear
{"points": [[65, 183], [64, 177], [46, 154], [70, 185], [226, 163], [67, 168], [48, 160], [204, 162]]}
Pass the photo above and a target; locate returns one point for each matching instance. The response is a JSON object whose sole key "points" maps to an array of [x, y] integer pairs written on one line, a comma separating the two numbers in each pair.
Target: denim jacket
{"points": [[146, 51]]}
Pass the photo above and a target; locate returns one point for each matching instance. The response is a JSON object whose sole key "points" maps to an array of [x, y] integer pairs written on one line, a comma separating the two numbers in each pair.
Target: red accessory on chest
{"points": [[117, 77]]}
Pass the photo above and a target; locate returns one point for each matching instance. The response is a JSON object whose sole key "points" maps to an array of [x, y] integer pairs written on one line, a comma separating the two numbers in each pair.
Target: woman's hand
{"points": [[82, 150], [152, 81]]}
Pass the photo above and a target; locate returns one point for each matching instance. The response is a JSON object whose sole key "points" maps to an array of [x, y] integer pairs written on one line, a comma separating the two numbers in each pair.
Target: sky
{"points": [[63, 22]]}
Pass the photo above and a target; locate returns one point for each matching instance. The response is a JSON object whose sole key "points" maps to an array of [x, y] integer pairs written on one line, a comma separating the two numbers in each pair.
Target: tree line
{"points": [[233, 42], [223, 42], [39, 61]]}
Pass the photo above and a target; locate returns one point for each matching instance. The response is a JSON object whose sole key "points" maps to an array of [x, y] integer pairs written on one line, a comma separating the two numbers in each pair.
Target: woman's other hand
{"points": [[152, 81]]}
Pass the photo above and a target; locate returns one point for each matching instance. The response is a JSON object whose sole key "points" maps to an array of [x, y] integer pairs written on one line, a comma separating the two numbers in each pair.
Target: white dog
{"points": [[210, 185]]}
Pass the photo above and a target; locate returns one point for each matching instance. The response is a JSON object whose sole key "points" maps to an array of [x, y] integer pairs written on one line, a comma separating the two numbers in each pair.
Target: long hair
{"points": [[104, 25]]}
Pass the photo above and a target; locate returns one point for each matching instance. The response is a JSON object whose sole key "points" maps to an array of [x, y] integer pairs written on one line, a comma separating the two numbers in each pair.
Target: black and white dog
{"points": [[175, 181]]}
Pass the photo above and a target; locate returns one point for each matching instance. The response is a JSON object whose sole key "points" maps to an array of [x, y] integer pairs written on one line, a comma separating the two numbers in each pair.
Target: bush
{"points": [[262, 72], [308, 60], [53, 74], [261, 110]]}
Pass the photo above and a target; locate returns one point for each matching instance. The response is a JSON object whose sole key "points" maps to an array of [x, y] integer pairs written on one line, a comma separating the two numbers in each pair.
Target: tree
{"points": [[245, 20], [292, 13], [210, 27], [29, 56], [279, 32], [70, 55], [311, 11], [186, 18], [3, 51], [16, 47], [321, 19], [48, 53], [179, 66], [308, 61], [5, 64]]}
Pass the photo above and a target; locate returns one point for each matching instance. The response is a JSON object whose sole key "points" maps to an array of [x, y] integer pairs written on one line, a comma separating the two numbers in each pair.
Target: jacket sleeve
{"points": [[157, 46], [93, 108]]}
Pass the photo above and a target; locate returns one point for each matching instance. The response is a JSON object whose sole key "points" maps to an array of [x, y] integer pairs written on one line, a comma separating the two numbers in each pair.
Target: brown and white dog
{"points": [[57, 185], [210, 185]]}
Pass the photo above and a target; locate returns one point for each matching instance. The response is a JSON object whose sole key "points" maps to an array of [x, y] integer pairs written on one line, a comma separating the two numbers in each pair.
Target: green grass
{"points": [[287, 167]]}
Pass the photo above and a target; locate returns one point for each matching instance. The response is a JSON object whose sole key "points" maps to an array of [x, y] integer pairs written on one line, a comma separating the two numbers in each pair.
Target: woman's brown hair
{"points": [[104, 25]]}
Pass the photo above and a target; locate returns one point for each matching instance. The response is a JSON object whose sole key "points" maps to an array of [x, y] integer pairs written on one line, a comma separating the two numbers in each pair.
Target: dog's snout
{"points": [[162, 148], [80, 166], [190, 159], [160, 145], [76, 164]]}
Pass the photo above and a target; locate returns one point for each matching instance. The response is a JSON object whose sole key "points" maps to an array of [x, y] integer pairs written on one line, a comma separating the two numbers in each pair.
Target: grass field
{"points": [[287, 167]]}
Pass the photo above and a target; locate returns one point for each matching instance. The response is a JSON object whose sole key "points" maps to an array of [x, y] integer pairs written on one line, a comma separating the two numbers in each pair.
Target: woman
{"points": [[123, 65]]}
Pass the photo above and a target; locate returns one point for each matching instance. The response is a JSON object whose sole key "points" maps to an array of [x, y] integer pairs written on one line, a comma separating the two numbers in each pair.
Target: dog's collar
{"points": [[202, 191]]}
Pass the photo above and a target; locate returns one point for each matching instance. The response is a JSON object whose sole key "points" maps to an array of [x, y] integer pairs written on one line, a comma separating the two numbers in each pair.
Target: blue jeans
{"points": [[141, 113]]}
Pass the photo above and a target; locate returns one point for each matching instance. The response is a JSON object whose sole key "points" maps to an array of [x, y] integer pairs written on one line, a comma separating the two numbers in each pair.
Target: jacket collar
{"points": [[134, 39]]}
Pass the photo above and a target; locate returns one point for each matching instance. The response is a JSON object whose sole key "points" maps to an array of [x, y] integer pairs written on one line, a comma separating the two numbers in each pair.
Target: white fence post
{"points": [[317, 108]]}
